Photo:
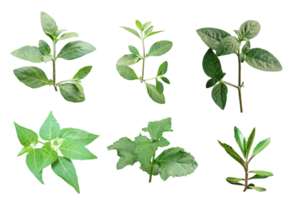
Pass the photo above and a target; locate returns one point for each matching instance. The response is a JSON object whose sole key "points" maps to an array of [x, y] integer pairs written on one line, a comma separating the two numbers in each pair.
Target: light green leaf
{"points": [[58, 141], [228, 45], [250, 142], [75, 49], [165, 80], [25, 149], [157, 128], [250, 29], [263, 60], [262, 173], [73, 149], [246, 48], [50, 129], [211, 64], [163, 142], [159, 86], [32, 77], [260, 189], [212, 36], [145, 25], [145, 149], [83, 72], [153, 33], [25, 136], [260, 147], [48, 156], [71, 93], [33, 162], [149, 30], [138, 25], [80, 87], [58, 32], [125, 150], [160, 48], [175, 162], [29, 53], [234, 181], [133, 50], [240, 140], [48, 24], [154, 94], [211, 82], [232, 153], [163, 68], [47, 58], [219, 95], [68, 35], [81, 136], [44, 47], [124, 66], [65, 169], [147, 168], [131, 30]]}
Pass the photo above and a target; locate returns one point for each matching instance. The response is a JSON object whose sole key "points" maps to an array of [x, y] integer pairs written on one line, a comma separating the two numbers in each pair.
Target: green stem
{"points": [[54, 66], [40, 142], [239, 82], [152, 167], [152, 78], [143, 60], [63, 81], [227, 83], [246, 177]]}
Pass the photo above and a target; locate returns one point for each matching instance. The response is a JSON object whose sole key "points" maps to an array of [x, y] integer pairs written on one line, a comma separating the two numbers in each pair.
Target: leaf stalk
{"points": [[152, 167], [54, 66]]}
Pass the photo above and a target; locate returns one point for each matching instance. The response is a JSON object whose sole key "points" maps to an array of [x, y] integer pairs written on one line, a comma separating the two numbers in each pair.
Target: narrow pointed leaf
{"points": [[159, 87], [75, 49], [154, 94], [68, 35], [71, 93], [83, 72], [232, 153], [48, 156], [128, 59], [153, 33], [58, 32], [163, 142], [149, 30], [32, 77], [234, 181], [33, 162], [250, 142], [260, 147], [44, 47], [160, 48], [131, 30], [81, 136], [48, 24], [65, 169], [228, 45], [50, 129], [157, 128], [25, 136], [165, 80], [163, 68], [25, 150], [29, 53], [212, 36], [239, 138], [211, 82], [211, 64], [219, 95]]}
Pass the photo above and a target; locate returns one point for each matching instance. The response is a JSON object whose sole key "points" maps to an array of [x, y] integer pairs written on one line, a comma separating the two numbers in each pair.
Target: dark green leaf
{"points": [[133, 50], [138, 25], [83, 72], [75, 49], [157, 128], [29, 53], [128, 59], [48, 24], [212, 36], [33, 162], [160, 48], [44, 47], [163, 68], [50, 129], [165, 80], [250, 29], [154, 94], [260, 147], [159, 86], [145, 149], [246, 48], [131, 30], [126, 72], [25, 149], [219, 95], [211, 82], [81, 136], [240, 140], [25, 136], [250, 142], [70, 92], [232, 153], [163, 142], [228, 45], [48, 156], [32, 77], [68, 35], [211, 64]]}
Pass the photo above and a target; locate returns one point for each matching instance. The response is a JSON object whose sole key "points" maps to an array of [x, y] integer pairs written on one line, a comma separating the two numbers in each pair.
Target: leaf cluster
{"points": [[70, 142], [173, 162], [245, 148], [157, 49]]}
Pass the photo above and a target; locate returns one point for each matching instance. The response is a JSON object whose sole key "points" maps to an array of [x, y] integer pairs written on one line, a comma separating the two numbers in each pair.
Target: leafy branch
{"points": [[224, 44], [34, 77], [245, 147], [157, 49]]}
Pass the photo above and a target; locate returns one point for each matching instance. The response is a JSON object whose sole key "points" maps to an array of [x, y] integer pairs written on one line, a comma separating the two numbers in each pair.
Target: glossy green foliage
{"points": [[70, 142], [155, 92], [35, 77], [175, 162], [225, 44], [245, 146]]}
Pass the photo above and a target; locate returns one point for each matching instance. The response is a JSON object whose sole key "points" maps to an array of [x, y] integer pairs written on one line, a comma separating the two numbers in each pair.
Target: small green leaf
{"points": [[154, 94], [211, 64], [260, 189], [58, 32], [211, 82], [234, 181], [145, 25], [33, 162], [145, 149], [29, 53], [212, 36], [163, 142], [48, 24], [157, 128], [250, 142], [83, 72], [232, 153], [44, 47], [228, 45], [262, 173], [153, 33], [71, 93], [32, 77], [128, 59], [48, 156], [133, 50], [240, 140], [160, 48], [246, 48], [260, 147], [131, 30], [159, 86], [219, 95], [149, 30], [250, 29], [126, 72], [138, 25], [25, 136], [47, 58], [68, 35], [80, 87], [81, 136], [75, 49], [50, 129], [163, 68], [25, 149], [165, 80]]}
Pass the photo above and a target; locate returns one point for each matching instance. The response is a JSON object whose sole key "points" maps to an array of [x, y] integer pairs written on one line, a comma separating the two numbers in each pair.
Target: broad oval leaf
{"points": [[124, 66], [263, 60], [81, 136], [157, 128], [25, 136], [160, 48], [131, 30], [58, 32], [138, 25], [68, 35], [32, 77], [166, 80], [212, 36], [25, 149], [33, 162], [50, 129], [44, 47], [154, 94], [250, 29], [219, 95], [75, 49], [80, 87], [175, 162], [228, 45], [163, 68], [232, 153], [234, 181], [153, 33], [48, 24], [48, 156], [211, 82], [29, 53], [260, 147], [71, 93], [47, 58], [83, 72], [211, 64], [240, 140], [133, 50], [145, 149], [65, 169]]}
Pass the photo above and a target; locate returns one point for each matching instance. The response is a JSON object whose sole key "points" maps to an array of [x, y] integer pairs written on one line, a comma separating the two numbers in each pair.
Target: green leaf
{"points": [[81, 136], [260, 189], [228, 45], [159, 86], [75, 49], [242, 57], [83, 72], [160, 48], [48, 156], [133, 50], [234, 181], [124, 66], [65, 169], [33, 162], [262, 173], [145, 25], [47, 58], [157, 128], [145, 149], [32, 77], [80, 87], [163, 68], [163, 142], [232, 153], [240, 140], [165, 80], [25, 150], [48, 24], [25, 136], [50, 129], [154, 94], [212, 36], [138, 25], [29, 53], [58, 141], [58, 32], [175, 162], [125, 150], [263, 60], [250, 29], [260, 147], [44, 47], [250, 142], [238, 33], [246, 48], [147, 168], [258, 177], [211, 82], [73, 149], [211, 64], [131, 30], [220, 76], [153, 33], [149, 30], [68, 35], [219, 95], [70, 92]]}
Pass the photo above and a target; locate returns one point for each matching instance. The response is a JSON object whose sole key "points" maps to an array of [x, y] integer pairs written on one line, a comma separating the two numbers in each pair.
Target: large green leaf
{"points": [[50, 129], [228, 45], [70, 92], [263, 60], [48, 24], [32, 77], [157, 128], [83, 72], [175, 162], [33, 162], [25, 149], [65, 169], [219, 95], [124, 66], [250, 142], [154, 94], [44, 47], [211, 64], [81, 136], [131, 30], [29, 53], [145, 149], [240, 140], [232, 153], [260, 147], [68, 35], [160, 48], [25, 136], [48, 155], [212, 36], [163, 68], [75, 49], [250, 29]]}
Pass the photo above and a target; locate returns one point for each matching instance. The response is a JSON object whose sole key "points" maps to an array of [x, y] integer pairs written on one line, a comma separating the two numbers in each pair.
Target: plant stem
{"points": [[152, 78], [143, 60], [40, 142], [246, 177], [227, 83], [239, 82], [152, 167], [54, 66], [63, 81]]}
